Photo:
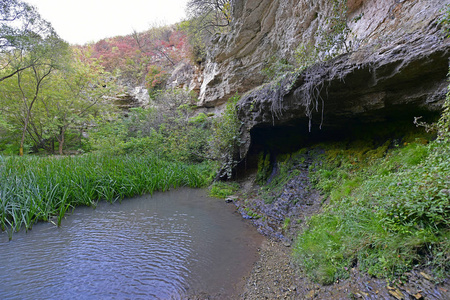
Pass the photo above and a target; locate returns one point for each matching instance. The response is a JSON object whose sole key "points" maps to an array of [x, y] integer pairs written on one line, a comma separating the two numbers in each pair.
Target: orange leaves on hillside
{"points": [[145, 57]]}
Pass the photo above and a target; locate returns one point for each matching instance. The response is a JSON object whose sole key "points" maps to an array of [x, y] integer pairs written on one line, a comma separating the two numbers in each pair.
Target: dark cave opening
{"points": [[391, 124]]}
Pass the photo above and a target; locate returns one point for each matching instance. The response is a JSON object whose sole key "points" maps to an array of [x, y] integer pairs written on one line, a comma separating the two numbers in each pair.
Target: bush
{"points": [[168, 130], [225, 139]]}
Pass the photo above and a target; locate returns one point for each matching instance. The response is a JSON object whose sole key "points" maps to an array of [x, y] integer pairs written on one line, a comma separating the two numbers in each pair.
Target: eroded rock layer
{"points": [[393, 63]]}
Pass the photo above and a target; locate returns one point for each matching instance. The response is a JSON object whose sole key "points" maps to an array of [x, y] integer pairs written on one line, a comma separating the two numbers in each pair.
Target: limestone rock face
{"points": [[136, 96], [266, 29], [185, 76], [393, 60], [397, 81]]}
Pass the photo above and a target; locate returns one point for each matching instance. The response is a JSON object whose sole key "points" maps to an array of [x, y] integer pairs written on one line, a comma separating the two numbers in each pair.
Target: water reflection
{"points": [[161, 247]]}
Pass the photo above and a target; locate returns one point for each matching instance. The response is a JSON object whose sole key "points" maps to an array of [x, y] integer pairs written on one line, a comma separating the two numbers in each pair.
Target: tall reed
{"points": [[34, 189]]}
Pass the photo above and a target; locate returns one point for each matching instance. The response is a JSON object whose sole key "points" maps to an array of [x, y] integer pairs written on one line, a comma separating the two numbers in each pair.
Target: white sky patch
{"points": [[82, 21]]}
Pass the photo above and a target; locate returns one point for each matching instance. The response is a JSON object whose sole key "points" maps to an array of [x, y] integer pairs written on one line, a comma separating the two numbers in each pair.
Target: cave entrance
{"points": [[392, 125]]}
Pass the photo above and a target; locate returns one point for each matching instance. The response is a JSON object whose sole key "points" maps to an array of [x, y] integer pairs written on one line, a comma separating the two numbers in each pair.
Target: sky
{"points": [[83, 21]]}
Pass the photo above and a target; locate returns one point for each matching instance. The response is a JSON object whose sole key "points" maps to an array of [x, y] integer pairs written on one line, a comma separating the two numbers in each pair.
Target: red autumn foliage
{"points": [[143, 58]]}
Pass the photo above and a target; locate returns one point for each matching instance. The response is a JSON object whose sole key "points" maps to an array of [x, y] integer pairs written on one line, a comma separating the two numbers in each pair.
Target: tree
{"points": [[49, 55], [21, 31], [206, 18], [211, 15], [135, 57], [68, 97], [74, 96], [30, 50]]}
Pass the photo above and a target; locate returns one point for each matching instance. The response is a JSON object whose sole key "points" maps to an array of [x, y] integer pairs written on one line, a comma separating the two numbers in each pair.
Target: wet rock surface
{"points": [[295, 202]]}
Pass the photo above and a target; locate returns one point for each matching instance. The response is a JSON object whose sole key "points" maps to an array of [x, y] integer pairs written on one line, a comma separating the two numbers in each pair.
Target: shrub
{"points": [[223, 189], [225, 139]]}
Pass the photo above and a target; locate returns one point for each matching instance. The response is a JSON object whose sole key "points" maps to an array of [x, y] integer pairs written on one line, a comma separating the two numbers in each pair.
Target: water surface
{"points": [[166, 246]]}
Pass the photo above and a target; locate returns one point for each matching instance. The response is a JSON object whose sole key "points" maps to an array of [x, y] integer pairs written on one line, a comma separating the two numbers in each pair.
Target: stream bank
{"points": [[276, 275]]}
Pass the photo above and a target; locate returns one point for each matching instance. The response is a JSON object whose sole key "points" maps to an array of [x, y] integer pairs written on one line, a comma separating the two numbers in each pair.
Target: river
{"points": [[170, 245]]}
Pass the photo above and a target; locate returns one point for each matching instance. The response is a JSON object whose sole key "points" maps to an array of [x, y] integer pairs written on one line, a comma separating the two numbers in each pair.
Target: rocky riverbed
{"points": [[275, 276]]}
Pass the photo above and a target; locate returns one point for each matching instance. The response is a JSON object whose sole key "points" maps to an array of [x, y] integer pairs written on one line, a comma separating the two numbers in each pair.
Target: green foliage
{"points": [[332, 37], [167, 130], [264, 168], [305, 56], [389, 210], [275, 66], [225, 139], [445, 21], [108, 136], [197, 40], [272, 184], [320, 249], [34, 189], [25, 37], [286, 223], [201, 118], [252, 214], [443, 125], [56, 99], [221, 189]]}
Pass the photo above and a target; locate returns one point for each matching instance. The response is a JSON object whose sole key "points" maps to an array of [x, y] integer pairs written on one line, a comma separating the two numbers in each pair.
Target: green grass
{"points": [[388, 211], [42, 189], [221, 189]]}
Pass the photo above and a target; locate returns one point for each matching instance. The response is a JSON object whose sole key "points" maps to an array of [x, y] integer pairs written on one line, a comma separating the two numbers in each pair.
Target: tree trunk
{"points": [[25, 126], [29, 107], [61, 144], [61, 139]]}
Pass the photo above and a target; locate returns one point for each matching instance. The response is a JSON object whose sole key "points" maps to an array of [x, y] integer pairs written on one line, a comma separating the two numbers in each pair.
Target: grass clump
{"points": [[388, 211], [220, 189], [34, 188]]}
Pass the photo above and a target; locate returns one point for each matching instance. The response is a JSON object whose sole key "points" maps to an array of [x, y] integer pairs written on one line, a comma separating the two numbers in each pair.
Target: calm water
{"points": [[167, 246]]}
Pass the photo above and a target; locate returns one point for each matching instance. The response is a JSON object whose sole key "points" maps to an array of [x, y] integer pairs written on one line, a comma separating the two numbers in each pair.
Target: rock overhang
{"points": [[396, 83]]}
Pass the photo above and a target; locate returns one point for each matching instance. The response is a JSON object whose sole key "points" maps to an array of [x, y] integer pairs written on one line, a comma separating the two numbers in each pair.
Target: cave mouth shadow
{"points": [[291, 137]]}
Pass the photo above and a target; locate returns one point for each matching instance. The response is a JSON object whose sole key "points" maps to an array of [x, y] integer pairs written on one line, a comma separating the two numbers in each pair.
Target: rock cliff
{"points": [[381, 60]]}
